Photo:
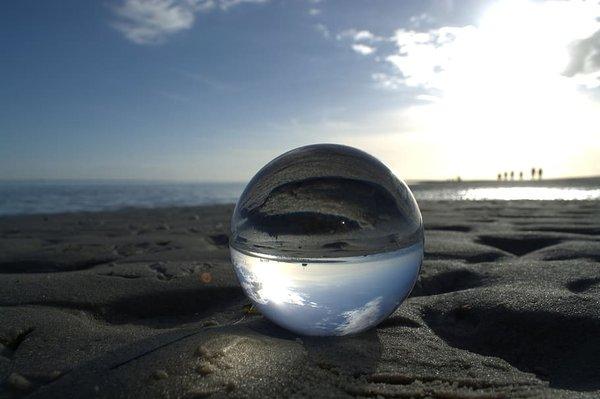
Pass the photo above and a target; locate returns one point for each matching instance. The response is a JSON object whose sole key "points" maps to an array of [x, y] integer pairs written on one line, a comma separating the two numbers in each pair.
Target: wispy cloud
{"points": [[363, 49], [585, 60], [387, 81], [359, 36], [361, 318], [227, 4], [421, 20], [361, 41], [323, 30], [314, 11], [154, 21], [208, 81]]}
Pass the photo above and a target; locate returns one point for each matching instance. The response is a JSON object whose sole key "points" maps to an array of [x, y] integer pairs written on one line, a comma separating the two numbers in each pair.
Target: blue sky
{"points": [[212, 90], [320, 298]]}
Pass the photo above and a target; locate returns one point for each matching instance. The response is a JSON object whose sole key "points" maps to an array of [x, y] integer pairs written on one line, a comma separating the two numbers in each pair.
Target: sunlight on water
{"points": [[55, 197], [529, 193]]}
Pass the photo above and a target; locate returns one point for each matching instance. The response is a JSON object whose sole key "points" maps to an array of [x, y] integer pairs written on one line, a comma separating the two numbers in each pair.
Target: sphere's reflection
{"points": [[326, 241]]}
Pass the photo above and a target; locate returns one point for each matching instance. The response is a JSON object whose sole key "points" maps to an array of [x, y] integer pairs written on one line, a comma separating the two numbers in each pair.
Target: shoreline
{"points": [[184, 208], [77, 197]]}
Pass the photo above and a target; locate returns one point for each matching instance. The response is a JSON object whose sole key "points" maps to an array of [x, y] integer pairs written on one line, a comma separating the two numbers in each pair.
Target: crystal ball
{"points": [[325, 240]]}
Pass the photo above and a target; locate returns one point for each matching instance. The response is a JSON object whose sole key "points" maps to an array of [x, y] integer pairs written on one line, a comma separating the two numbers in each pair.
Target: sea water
{"points": [[34, 197], [325, 240]]}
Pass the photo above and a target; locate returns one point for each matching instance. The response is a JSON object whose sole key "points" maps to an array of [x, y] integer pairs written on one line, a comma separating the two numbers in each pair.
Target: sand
{"points": [[144, 303]]}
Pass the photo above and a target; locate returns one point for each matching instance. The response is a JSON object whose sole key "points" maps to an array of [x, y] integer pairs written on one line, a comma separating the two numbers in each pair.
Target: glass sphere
{"points": [[326, 240]]}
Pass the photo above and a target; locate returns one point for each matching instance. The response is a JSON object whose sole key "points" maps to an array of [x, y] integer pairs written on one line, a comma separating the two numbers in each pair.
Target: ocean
{"points": [[33, 197]]}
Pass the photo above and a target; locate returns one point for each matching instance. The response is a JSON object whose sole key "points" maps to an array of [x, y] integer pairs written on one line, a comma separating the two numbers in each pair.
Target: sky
{"points": [[324, 298], [212, 90]]}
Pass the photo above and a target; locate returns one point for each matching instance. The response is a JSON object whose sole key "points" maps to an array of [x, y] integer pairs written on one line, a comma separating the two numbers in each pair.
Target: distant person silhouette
{"points": [[540, 171], [512, 175], [532, 173], [505, 176], [521, 175]]}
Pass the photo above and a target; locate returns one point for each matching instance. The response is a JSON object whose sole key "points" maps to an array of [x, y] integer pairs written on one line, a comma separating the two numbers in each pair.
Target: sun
{"points": [[505, 89], [498, 98]]}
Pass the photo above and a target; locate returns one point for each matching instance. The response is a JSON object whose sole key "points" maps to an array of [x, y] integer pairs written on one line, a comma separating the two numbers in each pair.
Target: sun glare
{"points": [[505, 88], [275, 286], [500, 95]]}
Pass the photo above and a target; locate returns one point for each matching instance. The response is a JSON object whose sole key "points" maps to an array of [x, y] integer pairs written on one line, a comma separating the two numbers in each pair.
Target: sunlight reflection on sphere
{"points": [[326, 240]]}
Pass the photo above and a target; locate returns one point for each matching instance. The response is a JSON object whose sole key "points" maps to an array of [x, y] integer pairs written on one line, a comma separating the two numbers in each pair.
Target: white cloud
{"points": [[154, 21], [421, 20], [386, 81], [364, 35], [359, 319], [363, 49], [361, 40], [515, 41], [358, 36], [424, 58], [314, 11], [227, 4], [505, 85]]}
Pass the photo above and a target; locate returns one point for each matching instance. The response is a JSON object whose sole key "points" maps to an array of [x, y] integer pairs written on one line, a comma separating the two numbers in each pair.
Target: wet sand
{"points": [[144, 303]]}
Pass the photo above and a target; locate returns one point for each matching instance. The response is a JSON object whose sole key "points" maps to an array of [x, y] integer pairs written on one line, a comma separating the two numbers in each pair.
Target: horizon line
{"points": [[182, 181]]}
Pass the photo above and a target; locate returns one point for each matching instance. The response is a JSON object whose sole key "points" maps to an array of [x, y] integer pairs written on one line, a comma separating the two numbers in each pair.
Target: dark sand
{"points": [[144, 303]]}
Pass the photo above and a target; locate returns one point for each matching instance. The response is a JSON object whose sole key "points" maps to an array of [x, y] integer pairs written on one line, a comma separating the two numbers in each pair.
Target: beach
{"points": [[145, 303]]}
